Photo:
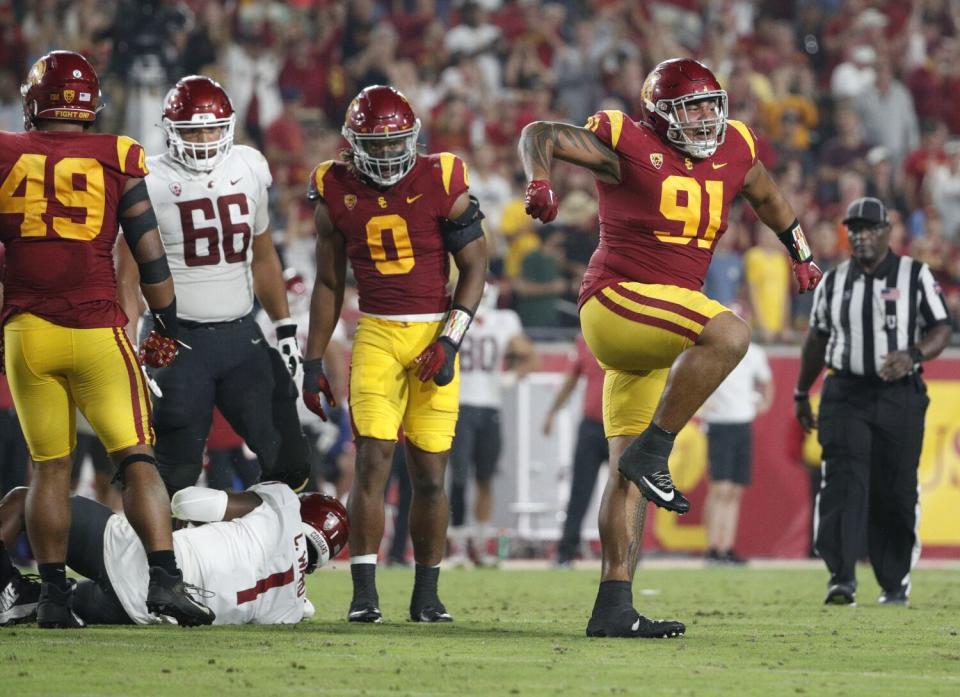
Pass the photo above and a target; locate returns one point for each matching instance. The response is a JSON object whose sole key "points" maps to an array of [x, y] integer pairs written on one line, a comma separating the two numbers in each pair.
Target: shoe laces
{"points": [[197, 592], [662, 480]]}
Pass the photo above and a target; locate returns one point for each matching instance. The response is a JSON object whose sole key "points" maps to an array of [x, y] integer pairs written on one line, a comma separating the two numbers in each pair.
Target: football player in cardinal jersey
{"points": [[397, 216], [665, 184], [495, 339], [63, 193], [250, 570], [211, 202]]}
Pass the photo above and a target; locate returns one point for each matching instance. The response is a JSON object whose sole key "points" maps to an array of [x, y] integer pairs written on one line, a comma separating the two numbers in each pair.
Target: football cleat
{"points": [[630, 624], [18, 599], [55, 607], [430, 611], [364, 610], [841, 594], [897, 597], [168, 597], [658, 487]]}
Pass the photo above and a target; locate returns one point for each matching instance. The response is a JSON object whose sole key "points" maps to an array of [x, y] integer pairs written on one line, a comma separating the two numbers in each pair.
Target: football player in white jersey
{"points": [[248, 563], [495, 338], [210, 197]]}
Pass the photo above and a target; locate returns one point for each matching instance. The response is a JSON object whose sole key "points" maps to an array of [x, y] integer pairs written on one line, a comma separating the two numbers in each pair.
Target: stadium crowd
{"points": [[847, 98]]}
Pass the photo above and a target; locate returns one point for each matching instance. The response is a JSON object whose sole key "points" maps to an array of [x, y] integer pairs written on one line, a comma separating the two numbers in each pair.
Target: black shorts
{"points": [[476, 444], [730, 449], [95, 600]]}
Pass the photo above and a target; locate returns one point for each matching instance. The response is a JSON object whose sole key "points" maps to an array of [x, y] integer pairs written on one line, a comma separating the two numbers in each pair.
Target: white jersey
{"points": [[481, 356], [207, 222], [735, 400], [254, 566]]}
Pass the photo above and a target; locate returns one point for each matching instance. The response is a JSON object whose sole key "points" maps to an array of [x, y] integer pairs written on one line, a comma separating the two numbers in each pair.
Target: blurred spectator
{"points": [[856, 74], [252, 72], [540, 286], [11, 106], [943, 183], [477, 37], [725, 276], [930, 153], [577, 69], [887, 113], [881, 179], [767, 272], [845, 151]]}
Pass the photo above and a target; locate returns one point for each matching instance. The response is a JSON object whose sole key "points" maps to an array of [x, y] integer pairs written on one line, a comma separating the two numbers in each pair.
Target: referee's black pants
{"points": [[872, 434], [592, 450]]}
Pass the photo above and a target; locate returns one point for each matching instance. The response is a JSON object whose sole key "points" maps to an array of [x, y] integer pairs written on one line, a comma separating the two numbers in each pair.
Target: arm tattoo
{"points": [[544, 140]]}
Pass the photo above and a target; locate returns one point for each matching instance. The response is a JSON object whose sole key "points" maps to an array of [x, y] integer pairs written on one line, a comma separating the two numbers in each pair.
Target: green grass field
{"points": [[749, 632]]}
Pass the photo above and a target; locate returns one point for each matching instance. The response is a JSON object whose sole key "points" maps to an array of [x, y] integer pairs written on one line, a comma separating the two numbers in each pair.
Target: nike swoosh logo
{"points": [[635, 626], [234, 181], [659, 492], [255, 341], [718, 166], [411, 199]]}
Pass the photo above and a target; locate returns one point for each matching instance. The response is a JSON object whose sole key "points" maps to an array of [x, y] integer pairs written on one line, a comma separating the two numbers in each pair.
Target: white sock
{"points": [[364, 559]]}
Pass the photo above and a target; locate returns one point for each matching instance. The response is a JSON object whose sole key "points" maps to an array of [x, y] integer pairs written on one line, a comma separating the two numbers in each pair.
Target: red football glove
{"points": [[808, 274], [157, 350], [540, 201], [437, 362], [315, 384]]}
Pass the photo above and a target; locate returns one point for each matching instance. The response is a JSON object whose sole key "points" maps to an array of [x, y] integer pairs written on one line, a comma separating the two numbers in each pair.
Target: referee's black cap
{"points": [[867, 209]]}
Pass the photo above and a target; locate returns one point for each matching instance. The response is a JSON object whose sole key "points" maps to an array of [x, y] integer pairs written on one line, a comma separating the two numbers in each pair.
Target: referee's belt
{"points": [[873, 380]]}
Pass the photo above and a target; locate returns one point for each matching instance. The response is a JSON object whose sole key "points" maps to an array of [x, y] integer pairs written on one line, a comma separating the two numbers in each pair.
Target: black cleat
{"points": [[841, 594], [18, 599], [897, 597], [364, 610], [658, 487], [628, 623], [430, 611], [55, 607], [170, 598]]}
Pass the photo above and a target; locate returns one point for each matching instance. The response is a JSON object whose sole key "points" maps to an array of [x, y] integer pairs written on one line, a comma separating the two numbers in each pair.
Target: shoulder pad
{"points": [[746, 134], [607, 125], [131, 157], [318, 178]]}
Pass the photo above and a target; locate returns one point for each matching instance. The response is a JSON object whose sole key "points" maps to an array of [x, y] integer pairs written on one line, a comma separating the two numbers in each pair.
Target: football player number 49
{"points": [[77, 185], [377, 229], [689, 190]]}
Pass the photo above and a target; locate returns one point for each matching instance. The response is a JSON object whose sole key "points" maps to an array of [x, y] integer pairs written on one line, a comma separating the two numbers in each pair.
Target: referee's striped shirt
{"points": [[868, 316]]}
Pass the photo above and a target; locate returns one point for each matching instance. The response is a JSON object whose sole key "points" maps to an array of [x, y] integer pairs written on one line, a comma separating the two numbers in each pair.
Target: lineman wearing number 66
{"points": [[666, 184], [211, 201]]}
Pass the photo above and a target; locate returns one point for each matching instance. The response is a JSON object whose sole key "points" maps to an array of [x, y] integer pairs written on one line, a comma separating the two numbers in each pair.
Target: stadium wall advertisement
{"points": [[776, 516]]}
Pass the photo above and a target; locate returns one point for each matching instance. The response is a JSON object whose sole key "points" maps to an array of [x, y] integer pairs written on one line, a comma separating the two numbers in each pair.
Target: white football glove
{"points": [[289, 349]]}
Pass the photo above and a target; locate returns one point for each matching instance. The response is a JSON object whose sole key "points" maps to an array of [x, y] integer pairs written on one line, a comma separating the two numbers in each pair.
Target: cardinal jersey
{"points": [[661, 223], [58, 219], [482, 353], [393, 236], [207, 222], [254, 566]]}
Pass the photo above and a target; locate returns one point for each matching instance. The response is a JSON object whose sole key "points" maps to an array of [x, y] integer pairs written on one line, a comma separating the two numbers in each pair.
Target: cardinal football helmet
{"points": [[325, 525], [61, 85], [197, 102], [382, 131], [669, 89]]}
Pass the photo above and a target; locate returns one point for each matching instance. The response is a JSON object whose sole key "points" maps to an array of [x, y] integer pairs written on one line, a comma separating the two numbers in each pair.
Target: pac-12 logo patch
{"points": [[656, 159], [349, 200], [175, 188]]}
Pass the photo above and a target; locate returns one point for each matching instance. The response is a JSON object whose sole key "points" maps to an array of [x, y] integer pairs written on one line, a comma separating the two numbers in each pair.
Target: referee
{"points": [[875, 319]]}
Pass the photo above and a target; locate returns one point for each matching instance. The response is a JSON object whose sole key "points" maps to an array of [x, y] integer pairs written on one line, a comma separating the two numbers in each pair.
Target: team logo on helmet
{"points": [[349, 200], [175, 188], [656, 159], [68, 96]]}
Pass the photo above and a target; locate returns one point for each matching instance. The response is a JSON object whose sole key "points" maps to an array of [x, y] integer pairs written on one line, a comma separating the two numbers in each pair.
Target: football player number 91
{"points": [[676, 188], [31, 202]]}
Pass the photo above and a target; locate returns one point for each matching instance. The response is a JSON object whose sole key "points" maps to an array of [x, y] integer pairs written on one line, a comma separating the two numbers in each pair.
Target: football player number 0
{"points": [[77, 185], [690, 191], [377, 227]]}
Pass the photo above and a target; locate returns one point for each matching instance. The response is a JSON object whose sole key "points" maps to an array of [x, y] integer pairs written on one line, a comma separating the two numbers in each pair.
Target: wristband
{"points": [[799, 396], [456, 325], [795, 242], [165, 320], [285, 328]]}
